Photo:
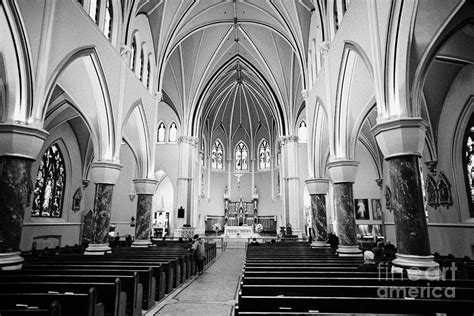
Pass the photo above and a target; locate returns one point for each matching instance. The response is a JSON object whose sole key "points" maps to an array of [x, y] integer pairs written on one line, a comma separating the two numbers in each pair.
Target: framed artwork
{"points": [[364, 230], [361, 208], [376, 209], [377, 230]]}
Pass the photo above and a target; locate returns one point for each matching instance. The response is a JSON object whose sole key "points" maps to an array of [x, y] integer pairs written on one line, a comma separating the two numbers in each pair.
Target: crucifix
{"points": [[238, 175]]}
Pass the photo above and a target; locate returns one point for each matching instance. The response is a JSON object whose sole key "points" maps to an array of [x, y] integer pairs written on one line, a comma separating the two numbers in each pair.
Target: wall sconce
{"points": [[132, 221], [132, 195]]}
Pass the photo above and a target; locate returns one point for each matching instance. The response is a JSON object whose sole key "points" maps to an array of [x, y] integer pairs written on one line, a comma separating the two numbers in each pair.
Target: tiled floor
{"points": [[211, 293]]}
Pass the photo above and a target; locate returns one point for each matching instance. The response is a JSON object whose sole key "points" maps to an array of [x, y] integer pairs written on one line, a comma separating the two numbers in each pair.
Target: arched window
{"points": [[302, 132], [133, 54], [172, 132], [264, 155], [161, 132], [109, 15], [217, 155], [468, 163], [148, 70], [140, 64], [50, 182], [94, 10], [241, 156], [203, 151]]}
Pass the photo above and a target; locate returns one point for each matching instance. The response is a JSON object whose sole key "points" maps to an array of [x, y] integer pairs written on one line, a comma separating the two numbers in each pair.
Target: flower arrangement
{"points": [[258, 228], [216, 227]]}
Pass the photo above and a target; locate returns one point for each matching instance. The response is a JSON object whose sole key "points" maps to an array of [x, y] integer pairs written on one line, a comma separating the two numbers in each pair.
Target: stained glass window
{"points": [[302, 132], [140, 64], [468, 163], [50, 181], [241, 156], [94, 10], [161, 132], [108, 19], [264, 155], [133, 54], [148, 74], [173, 131], [217, 155], [203, 150]]}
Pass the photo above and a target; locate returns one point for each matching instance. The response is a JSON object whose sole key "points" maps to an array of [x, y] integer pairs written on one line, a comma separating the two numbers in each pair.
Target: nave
{"points": [[281, 278]]}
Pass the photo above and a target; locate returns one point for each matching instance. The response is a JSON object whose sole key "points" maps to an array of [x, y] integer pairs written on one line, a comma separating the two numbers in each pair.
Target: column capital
{"points": [[145, 186], [21, 141], [158, 96], [317, 186], [305, 94], [125, 51], [400, 137], [343, 170], [188, 140], [288, 139], [105, 172]]}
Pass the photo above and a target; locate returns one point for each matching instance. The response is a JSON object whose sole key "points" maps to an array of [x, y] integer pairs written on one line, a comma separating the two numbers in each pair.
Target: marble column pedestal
{"points": [[411, 229], [143, 226], [319, 221], [346, 225], [15, 190], [101, 220]]}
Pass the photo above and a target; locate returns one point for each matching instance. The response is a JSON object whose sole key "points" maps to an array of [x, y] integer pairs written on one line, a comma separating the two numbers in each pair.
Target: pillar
{"points": [[104, 175], [402, 141], [187, 147], [317, 189], [343, 174], [145, 189], [19, 147], [289, 151]]}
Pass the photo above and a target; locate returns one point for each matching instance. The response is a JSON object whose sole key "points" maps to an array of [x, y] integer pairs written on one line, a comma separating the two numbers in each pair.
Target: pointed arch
{"points": [[105, 126], [138, 128]]}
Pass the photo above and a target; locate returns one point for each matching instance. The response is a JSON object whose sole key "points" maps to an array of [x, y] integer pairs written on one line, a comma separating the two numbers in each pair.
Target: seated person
{"points": [[254, 242], [369, 263]]}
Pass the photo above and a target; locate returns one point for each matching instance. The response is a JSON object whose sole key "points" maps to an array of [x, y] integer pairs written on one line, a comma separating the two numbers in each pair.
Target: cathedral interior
{"points": [[171, 118]]}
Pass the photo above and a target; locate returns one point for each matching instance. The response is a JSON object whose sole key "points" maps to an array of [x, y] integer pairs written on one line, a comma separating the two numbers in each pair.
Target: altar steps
{"points": [[237, 244]]}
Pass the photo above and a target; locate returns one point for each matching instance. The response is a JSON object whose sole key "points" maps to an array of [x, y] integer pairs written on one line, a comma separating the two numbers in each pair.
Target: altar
{"points": [[238, 231]]}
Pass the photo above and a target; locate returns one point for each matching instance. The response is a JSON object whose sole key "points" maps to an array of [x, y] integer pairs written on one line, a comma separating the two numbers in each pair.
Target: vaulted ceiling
{"points": [[231, 63]]}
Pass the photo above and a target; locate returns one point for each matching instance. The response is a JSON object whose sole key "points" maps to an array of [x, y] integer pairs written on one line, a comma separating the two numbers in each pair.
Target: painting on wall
{"points": [[362, 208], [377, 230], [376, 209], [364, 230]]}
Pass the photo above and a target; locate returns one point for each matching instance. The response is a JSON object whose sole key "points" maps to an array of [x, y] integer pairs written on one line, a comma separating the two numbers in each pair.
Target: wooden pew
{"points": [[251, 305], [53, 310], [109, 294], [145, 277], [129, 284], [77, 304], [160, 271]]}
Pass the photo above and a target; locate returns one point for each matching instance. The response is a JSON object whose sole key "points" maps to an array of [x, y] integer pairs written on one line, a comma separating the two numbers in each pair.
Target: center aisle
{"points": [[211, 293]]}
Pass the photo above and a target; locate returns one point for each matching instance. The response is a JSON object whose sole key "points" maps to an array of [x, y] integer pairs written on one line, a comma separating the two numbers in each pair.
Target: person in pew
{"points": [[369, 263], [254, 242], [199, 250]]}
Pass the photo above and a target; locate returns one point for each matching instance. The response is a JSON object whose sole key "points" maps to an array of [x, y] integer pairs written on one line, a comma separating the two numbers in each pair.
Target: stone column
{"points": [[343, 174], [289, 151], [19, 147], [145, 189], [317, 189], [401, 142], [104, 175], [185, 177]]}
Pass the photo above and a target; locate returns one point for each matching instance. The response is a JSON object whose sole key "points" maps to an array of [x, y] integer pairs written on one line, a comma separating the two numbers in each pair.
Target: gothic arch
{"points": [[343, 139], [15, 67], [105, 126], [138, 130]]}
